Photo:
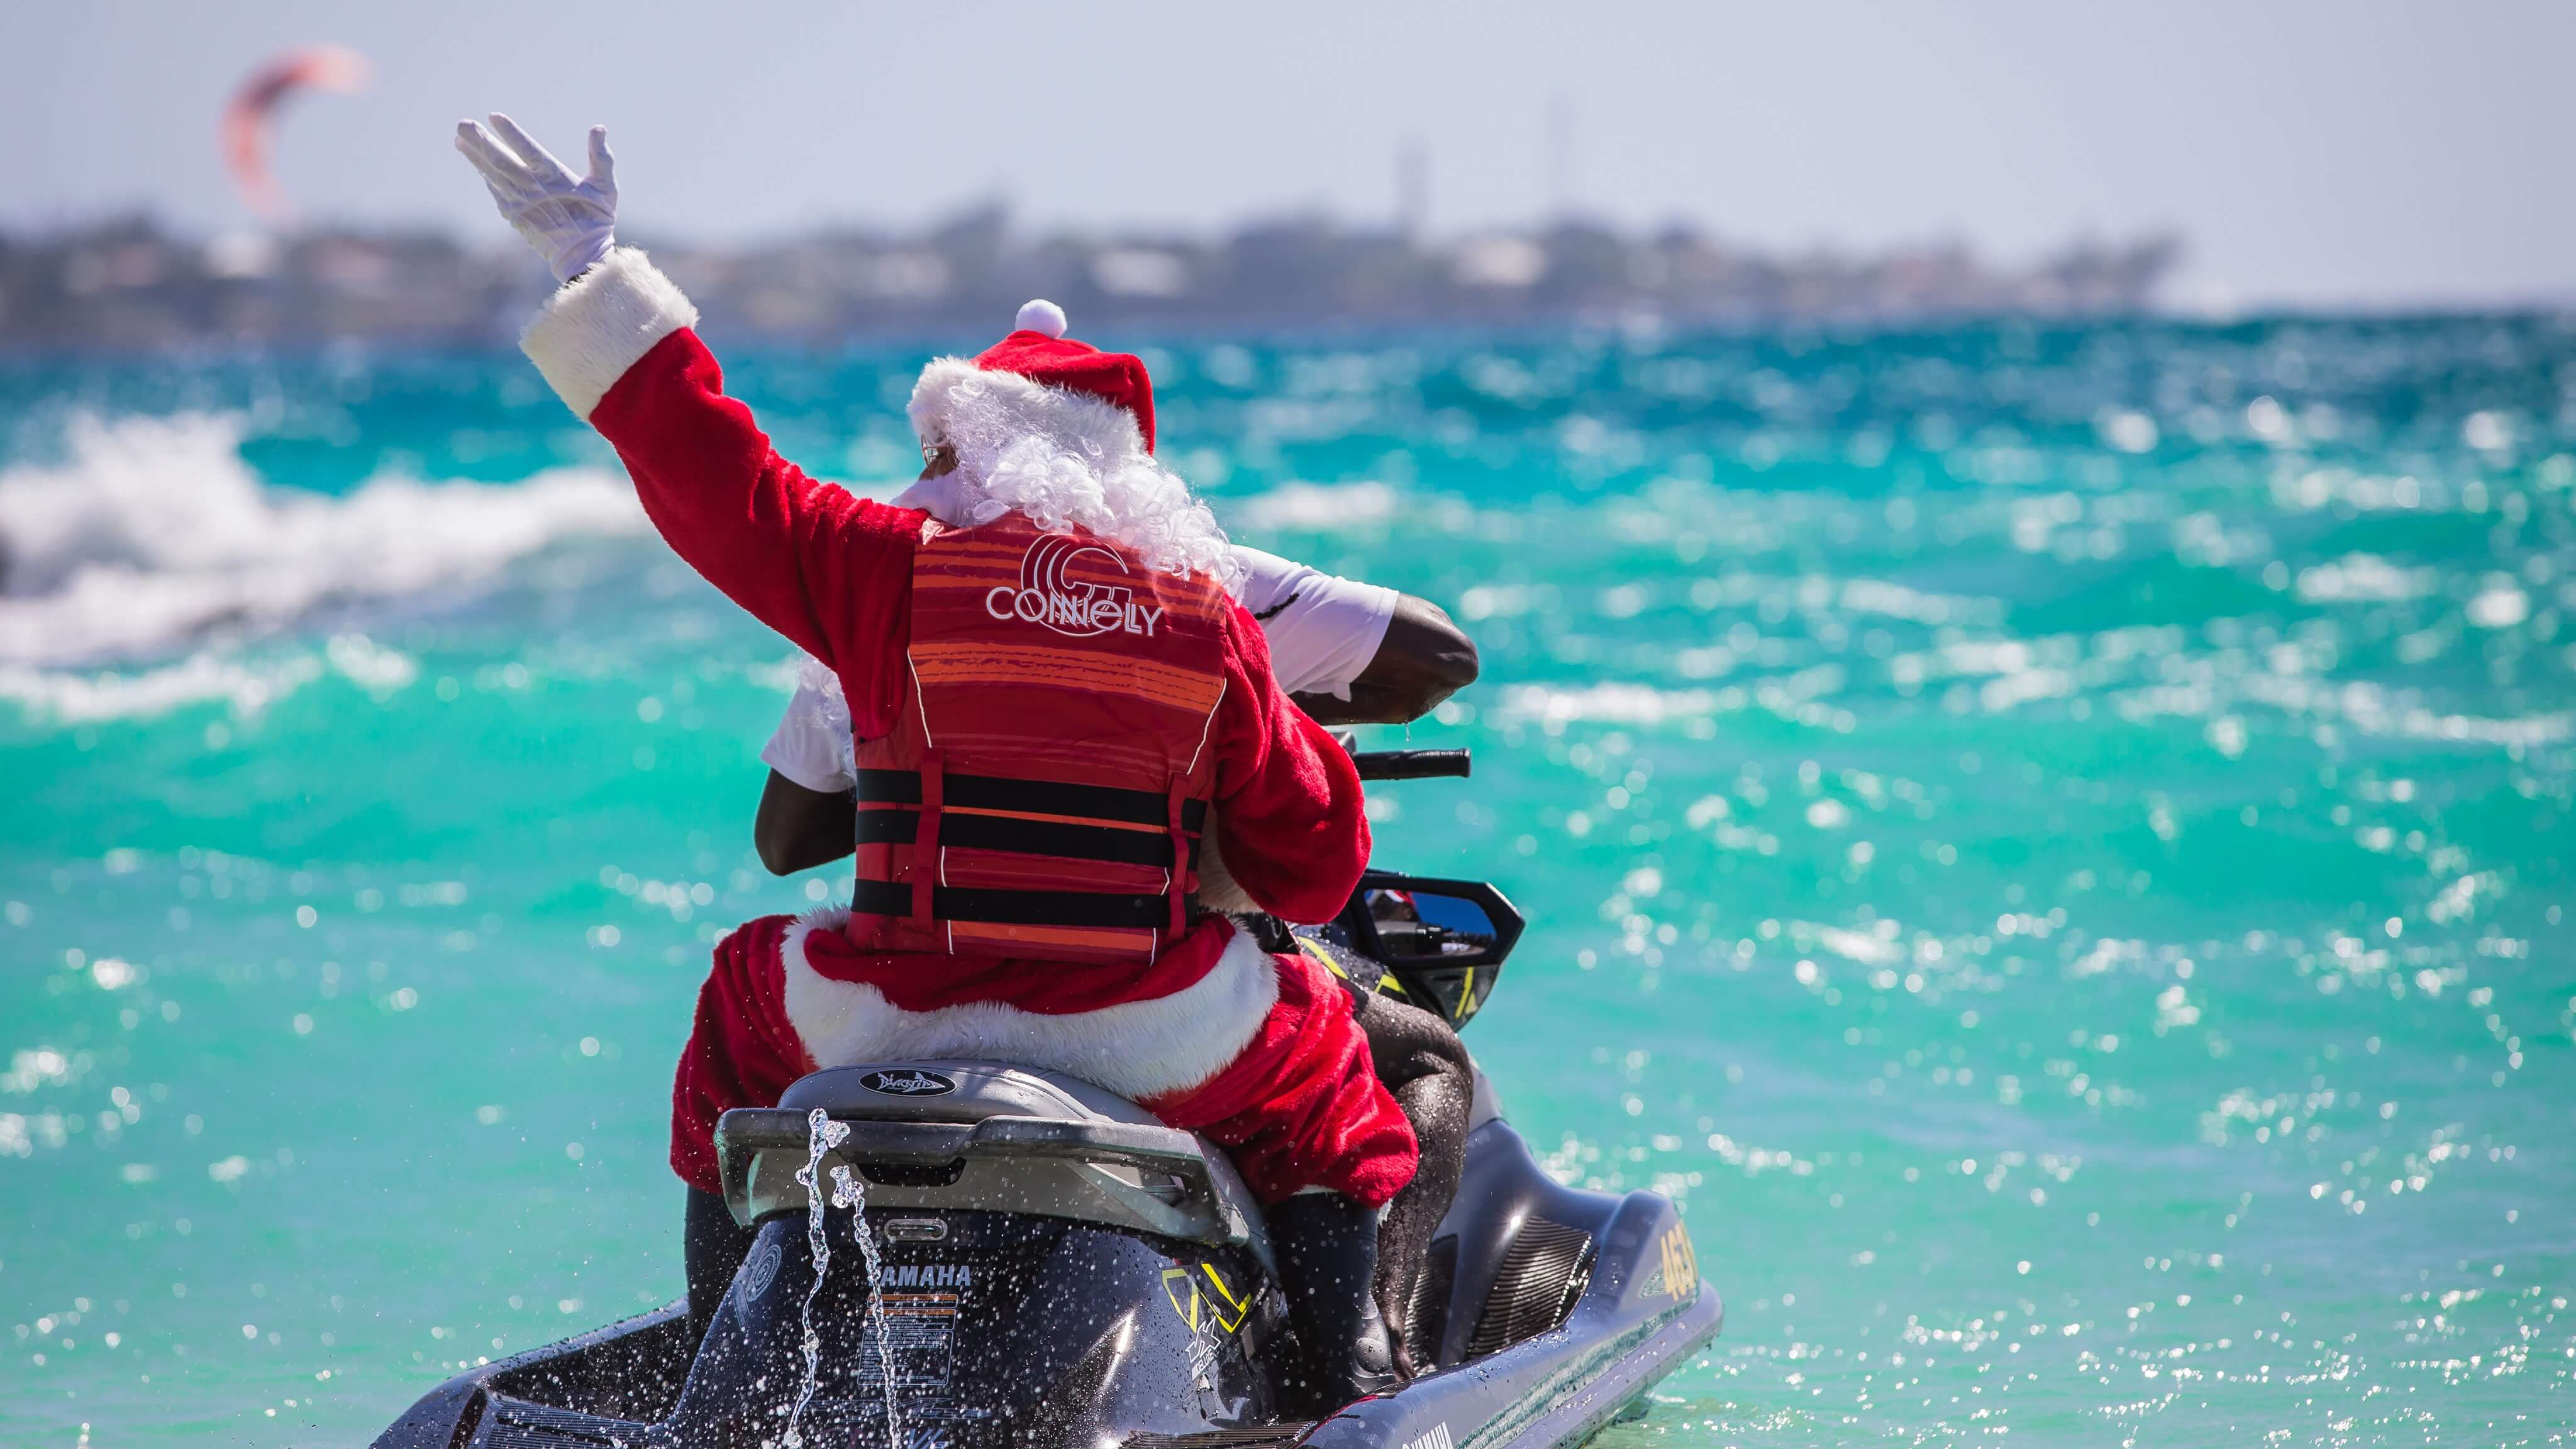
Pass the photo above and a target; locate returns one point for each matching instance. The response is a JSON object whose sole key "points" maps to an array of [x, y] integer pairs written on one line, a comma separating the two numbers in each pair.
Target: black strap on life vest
{"points": [[1018, 908], [892, 811], [1039, 797], [901, 826]]}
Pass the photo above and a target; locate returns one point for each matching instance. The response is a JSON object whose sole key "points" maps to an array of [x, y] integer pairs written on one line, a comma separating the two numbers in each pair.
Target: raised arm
{"points": [[617, 343], [804, 557]]}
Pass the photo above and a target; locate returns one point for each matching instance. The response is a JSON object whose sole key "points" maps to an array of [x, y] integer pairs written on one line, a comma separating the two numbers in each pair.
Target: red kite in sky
{"points": [[251, 116]]}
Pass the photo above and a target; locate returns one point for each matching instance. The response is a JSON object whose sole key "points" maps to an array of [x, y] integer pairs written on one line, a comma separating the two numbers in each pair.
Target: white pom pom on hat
{"points": [[1041, 316]]}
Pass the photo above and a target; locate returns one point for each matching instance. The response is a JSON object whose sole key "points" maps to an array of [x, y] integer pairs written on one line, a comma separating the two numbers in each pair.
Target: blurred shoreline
{"points": [[133, 284]]}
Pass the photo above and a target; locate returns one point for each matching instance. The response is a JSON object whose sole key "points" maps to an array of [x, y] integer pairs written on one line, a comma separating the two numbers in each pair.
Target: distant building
{"points": [[129, 285]]}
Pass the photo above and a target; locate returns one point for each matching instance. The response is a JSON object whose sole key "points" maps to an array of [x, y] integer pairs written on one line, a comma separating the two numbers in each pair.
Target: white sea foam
{"points": [[246, 686], [1313, 508], [155, 533], [2364, 577], [1609, 702], [83, 698]]}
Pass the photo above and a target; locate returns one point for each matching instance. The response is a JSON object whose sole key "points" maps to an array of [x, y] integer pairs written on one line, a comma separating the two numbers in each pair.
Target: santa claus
{"points": [[1061, 716]]}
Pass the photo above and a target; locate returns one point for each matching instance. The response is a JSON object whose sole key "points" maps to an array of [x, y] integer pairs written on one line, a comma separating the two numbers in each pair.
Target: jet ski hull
{"points": [[1548, 1312]]}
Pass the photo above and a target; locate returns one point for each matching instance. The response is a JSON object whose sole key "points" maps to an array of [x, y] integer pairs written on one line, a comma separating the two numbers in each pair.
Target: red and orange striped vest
{"points": [[1045, 788]]}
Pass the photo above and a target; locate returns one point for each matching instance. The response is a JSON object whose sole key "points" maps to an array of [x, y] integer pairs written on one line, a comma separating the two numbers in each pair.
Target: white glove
{"points": [[570, 223]]}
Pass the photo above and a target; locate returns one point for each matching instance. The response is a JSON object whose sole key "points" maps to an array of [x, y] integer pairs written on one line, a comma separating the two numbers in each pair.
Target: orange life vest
{"points": [[1045, 788]]}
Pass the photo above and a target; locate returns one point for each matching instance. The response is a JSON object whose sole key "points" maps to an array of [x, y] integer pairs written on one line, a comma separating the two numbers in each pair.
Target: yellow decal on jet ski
{"points": [[1226, 1297], [1190, 1313], [1680, 1268], [1223, 1299], [1386, 982]]}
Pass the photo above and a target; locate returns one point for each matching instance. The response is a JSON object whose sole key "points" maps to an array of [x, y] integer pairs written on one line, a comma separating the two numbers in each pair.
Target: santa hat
{"points": [[1064, 433], [1039, 381]]}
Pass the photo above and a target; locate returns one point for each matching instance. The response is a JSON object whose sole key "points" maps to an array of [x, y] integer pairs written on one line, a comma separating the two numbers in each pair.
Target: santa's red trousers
{"points": [[1298, 1107]]}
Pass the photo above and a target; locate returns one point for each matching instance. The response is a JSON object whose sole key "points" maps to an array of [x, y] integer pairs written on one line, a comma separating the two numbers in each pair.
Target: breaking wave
{"points": [[246, 686], [153, 533]]}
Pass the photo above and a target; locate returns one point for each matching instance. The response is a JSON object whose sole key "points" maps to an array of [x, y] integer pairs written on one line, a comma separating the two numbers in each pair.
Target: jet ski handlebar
{"points": [[1411, 764]]}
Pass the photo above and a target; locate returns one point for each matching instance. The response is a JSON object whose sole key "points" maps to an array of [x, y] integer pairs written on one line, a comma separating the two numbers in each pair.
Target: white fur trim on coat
{"points": [[1139, 1049], [603, 323]]}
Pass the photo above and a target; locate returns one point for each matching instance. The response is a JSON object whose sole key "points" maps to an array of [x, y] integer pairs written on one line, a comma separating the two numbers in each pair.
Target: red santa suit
{"points": [[1186, 1015]]}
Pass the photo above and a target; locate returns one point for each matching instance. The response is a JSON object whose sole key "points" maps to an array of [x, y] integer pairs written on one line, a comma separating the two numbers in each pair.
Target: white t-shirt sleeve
{"points": [[812, 744], [1323, 630]]}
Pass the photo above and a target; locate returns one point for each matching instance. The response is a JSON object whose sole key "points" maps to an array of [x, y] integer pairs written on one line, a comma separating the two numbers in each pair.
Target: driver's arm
{"points": [[808, 816], [1424, 659], [1350, 652], [799, 829]]}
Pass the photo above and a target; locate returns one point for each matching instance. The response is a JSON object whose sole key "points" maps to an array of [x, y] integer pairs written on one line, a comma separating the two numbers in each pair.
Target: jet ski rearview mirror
{"points": [[1445, 940]]}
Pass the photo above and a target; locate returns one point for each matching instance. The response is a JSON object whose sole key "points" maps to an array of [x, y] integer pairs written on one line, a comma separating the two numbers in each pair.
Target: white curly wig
{"points": [[1067, 460]]}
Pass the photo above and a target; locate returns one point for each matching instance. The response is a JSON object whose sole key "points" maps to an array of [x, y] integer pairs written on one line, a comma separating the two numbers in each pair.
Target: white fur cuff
{"points": [[1139, 1049], [591, 331]]}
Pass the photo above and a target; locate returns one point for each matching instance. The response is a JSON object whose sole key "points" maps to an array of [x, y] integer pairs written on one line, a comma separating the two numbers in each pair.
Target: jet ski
{"points": [[1047, 1266]]}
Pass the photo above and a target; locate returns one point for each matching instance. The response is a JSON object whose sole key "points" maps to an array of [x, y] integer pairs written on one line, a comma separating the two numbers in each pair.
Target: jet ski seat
{"points": [[969, 1135], [956, 1092]]}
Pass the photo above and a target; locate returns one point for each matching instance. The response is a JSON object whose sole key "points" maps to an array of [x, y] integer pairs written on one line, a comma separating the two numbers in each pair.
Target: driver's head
{"points": [[1062, 432]]}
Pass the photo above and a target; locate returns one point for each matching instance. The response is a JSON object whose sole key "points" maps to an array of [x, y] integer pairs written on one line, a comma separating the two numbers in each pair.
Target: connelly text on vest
{"points": [[1045, 596], [1083, 609]]}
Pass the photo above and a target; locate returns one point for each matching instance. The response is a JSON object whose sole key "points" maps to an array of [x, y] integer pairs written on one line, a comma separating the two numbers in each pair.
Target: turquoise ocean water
{"points": [[2050, 843]]}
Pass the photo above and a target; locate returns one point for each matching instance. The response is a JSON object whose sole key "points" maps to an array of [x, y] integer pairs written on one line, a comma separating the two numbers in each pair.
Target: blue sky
{"points": [[2373, 153]]}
